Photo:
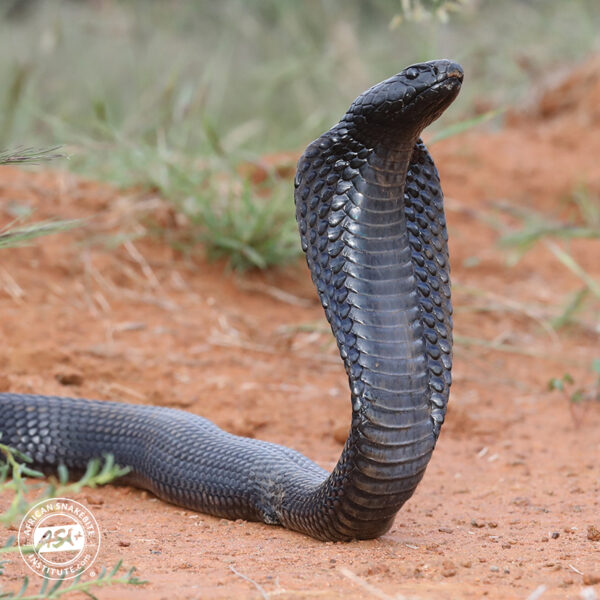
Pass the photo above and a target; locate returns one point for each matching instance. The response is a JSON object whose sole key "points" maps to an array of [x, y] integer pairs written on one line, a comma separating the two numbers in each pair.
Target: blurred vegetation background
{"points": [[163, 94]]}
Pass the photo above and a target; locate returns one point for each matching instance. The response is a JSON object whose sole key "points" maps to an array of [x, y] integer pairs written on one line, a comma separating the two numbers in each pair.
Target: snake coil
{"points": [[370, 212]]}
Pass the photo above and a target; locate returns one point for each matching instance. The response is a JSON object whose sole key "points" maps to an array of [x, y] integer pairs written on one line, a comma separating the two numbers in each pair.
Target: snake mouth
{"points": [[447, 88]]}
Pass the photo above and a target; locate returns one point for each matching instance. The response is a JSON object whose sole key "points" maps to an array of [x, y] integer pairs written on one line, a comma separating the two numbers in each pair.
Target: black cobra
{"points": [[370, 212]]}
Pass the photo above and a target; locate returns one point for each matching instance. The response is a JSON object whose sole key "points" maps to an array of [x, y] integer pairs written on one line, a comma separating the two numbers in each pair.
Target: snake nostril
{"points": [[435, 70]]}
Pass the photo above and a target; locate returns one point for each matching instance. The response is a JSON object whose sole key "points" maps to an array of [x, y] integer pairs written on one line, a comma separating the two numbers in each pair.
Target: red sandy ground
{"points": [[514, 485]]}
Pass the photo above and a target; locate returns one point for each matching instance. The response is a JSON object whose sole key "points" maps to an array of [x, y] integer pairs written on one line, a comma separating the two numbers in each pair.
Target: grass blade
{"points": [[462, 126], [566, 259], [10, 238]]}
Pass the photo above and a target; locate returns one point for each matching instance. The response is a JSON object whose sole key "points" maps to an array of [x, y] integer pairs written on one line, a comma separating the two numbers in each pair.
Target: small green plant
{"points": [[56, 590], [425, 10], [16, 234], [252, 227], [535, 227], [578, 395], [15, 464], [250, 224], [584, 223], [15, 470], [29, 155]]}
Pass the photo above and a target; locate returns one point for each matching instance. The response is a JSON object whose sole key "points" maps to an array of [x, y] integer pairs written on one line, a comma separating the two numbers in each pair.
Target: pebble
{"points": [[588, 593], [448, 568], [94, 500], [591, 578], [593, 533], [124, 543], [69, 378], [494, 569]]}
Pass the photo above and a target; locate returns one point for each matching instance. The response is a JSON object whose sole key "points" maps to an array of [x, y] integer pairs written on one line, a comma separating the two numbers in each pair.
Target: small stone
{"points": [[521, 501], [445, 530], [466, 564], [593, 533], [69, 378], [492, 524], [545, 539], [506, 546], [494, 569], [94, 500], [555, 535], [591, 578], [124, 543], [478, 524], [448, 568]]}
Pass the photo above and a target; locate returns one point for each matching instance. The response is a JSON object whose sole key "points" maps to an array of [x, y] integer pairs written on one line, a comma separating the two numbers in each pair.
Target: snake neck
{"points": [[354, 215]]}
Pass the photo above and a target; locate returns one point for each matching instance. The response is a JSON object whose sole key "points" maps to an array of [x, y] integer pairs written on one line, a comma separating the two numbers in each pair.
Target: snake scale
{"points": [[370, 213]]}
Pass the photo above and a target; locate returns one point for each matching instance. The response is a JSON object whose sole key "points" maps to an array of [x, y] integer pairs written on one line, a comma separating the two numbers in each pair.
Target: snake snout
{"points": [[456, 73], [445, 69]]}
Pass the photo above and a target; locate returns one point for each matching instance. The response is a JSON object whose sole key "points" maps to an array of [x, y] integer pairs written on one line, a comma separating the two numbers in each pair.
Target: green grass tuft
{"points": [[14, 478], [163, 92]]}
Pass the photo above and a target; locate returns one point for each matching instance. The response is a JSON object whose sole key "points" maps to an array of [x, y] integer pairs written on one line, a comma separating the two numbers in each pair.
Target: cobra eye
{"points": [[411, 73]]}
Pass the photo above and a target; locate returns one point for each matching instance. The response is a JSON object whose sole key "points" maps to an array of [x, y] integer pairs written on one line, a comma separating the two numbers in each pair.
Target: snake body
{"points": [[370, 213]]}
